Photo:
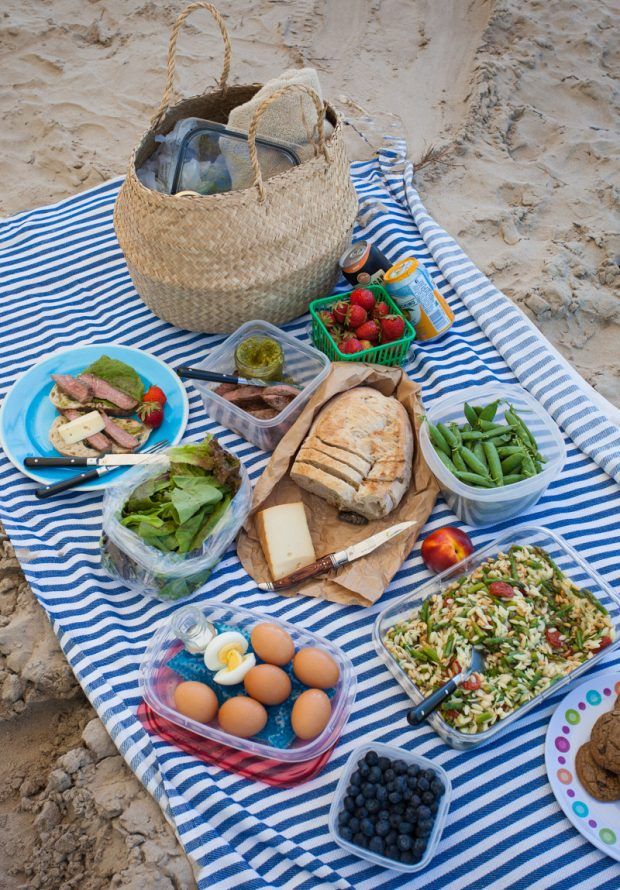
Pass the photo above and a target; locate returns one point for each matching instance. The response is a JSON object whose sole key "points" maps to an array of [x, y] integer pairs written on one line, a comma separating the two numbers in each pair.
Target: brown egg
{"points": [[242, 716], [196, 700], [311, 713], [314, 667], [267, 684], [272, 643]]}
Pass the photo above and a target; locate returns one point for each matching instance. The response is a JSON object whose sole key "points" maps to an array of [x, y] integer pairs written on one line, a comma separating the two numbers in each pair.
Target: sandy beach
{"points": [[519, 102]]}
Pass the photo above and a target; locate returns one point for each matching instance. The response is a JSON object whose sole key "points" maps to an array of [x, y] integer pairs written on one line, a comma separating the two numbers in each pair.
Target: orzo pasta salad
{"points": [[534, 624]]}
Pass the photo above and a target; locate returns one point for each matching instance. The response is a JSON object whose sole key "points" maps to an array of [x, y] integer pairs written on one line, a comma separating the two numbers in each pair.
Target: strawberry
{"points": [[328, 319], [356, 316], [339, 311], [366, 344], [392, 328], [363, 297], [351, 345], [370, 330], [155, 394], [152, 413], [381, 310]]}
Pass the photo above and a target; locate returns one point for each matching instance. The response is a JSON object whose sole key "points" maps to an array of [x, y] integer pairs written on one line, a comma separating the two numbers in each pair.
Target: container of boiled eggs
{"points": [[238, 677]]}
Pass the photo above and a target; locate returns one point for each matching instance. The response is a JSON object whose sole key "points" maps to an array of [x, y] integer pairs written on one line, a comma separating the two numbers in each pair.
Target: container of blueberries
{"points": [[390, 807]]}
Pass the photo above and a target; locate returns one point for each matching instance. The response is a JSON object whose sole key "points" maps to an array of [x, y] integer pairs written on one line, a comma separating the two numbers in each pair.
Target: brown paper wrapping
{"points": [[363, 581]]}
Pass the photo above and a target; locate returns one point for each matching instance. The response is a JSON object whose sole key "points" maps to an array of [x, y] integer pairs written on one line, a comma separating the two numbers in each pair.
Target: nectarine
{"points": [[445, 547]]}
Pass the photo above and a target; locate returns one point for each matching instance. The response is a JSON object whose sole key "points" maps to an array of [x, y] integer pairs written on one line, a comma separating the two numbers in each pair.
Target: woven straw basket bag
{"points": [[212, 262]]}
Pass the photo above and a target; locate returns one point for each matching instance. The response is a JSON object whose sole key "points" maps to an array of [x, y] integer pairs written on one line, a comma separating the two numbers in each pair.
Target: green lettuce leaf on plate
{"points": [[117, 374]]}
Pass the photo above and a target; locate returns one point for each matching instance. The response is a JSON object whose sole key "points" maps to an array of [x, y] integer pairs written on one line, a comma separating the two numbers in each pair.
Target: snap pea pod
{"points": [[459, 463], [448, 435], [472, 435], [472, 461], [474, 479], [437, 439], [527, 466], [471, 414], [494, 462], [512, 462], [513, 419], [446, 461], [488, 426], [456, 433], [507, 450], [511, 478], [489, 412], [479, 452]]}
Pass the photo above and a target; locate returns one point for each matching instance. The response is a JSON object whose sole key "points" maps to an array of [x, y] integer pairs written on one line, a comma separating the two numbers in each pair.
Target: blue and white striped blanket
{"points": [[64, 282]]}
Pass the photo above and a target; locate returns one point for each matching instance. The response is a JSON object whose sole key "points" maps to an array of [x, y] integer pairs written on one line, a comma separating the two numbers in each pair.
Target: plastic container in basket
{"points": [[394, 353], [487, 506], [440, 816], [569, 562], [305, 366], [164, 576], [158, 682]]}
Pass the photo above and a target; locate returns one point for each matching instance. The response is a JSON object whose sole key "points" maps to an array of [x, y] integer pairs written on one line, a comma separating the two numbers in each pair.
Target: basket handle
{"points": [[169, 91], [320, 113]]}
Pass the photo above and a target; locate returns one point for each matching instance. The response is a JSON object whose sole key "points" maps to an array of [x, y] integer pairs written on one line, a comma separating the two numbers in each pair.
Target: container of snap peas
{"points": [[493, 450]]}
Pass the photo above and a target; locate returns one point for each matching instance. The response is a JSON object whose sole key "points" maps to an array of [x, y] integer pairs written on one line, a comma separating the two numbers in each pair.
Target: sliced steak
{"points": [[73, 387], [282, 389], [263, 413], [121, 436], [277, 400], [103, 390], [98, 441], [223, 388]]}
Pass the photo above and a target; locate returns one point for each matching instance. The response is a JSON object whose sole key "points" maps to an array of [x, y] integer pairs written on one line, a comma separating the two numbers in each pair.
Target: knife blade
{"points": [[338, 558], [107, 460], [213, 377]]}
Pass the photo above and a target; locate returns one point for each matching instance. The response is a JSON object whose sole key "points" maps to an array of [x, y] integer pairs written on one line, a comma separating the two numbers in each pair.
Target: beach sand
{"points": [[520, 100]]}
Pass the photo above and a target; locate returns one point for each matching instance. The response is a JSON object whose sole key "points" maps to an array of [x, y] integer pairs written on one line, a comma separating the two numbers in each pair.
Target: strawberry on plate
{"points": [[151, 411], [155, 394]]}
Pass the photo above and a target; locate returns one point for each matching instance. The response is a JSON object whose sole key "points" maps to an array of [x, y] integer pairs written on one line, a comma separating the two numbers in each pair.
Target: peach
{"points": [[445, 547]]}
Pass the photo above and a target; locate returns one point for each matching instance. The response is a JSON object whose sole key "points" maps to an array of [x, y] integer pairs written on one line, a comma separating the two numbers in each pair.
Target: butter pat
{"points": [[81, 428], [285, 538]]}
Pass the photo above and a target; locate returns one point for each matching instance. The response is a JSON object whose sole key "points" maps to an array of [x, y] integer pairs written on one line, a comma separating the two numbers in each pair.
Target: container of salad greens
{"points": [[167, 524]]}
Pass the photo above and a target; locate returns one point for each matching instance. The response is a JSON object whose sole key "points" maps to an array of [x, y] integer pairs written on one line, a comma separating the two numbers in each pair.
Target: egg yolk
{"points": [[232, 658]]}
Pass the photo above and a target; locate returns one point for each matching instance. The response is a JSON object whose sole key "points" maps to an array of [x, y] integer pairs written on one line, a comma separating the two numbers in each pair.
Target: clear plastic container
{"points": [[487, 506], [149, 571], [158, 682], [440, 817], [303, 365], [571, 564]]}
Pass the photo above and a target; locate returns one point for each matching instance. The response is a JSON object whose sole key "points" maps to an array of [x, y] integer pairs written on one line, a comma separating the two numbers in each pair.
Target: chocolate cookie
{"points": [[605, 741], [598, 781]]}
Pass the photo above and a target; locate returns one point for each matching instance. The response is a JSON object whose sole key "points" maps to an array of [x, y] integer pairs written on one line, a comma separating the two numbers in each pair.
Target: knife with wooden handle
{"points": [[333, 561]]}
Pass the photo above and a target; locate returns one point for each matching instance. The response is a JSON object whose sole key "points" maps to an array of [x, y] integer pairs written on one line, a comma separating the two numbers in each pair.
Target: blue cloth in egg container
{"points": [[277, 732]]}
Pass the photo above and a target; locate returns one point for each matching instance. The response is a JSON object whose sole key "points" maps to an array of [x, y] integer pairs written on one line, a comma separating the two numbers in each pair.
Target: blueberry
{"points": [[373, 806], [428, 798], [423, 784], [390, 786], [394, 820], [375, 774], [411, 814], [369, 790], [395, 797], [389, 775], [372, 758], [424, 814], [412, 782], [392, 852], [381, 793], [358, 839], [413, 769], [401, 784], [363, 770], [382, 828], [343, 817], [360, 800], [415, 800], [400, 767], [345, 833], [384, 763], [399, 808], [405, 828], [406, 857], [361, 812], [363, 843], [429, 774], [434, 807], [356, 779], [384, 815], [437, 787], [419, 847], [404, 842], [367, 827], [349, 804], [354, 824], [424, 829], [376, 845]]}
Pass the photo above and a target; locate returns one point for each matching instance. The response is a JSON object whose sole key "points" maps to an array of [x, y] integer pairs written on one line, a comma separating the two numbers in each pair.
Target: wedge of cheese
{"points": [[81, 428], [285, 538]]}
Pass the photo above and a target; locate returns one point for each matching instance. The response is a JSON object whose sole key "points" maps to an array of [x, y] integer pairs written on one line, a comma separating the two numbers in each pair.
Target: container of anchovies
{"points": [[541, 614], [480, 506]]}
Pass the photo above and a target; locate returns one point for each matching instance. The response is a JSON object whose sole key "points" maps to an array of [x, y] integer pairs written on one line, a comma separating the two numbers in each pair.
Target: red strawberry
{"points": [[328, 319], [392, 328], [381, 310], [339, 311], [370, 330], [363, 297], [351, 345], [356, 316], [155, 394], [366, 344], [152, 413]]}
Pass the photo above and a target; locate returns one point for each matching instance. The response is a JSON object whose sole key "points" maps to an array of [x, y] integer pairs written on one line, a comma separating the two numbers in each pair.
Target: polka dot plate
{"points": [[569, 728]]}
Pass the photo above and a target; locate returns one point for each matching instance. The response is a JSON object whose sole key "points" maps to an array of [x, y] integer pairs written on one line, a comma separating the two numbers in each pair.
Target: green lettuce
{"points": [[117, 374]]}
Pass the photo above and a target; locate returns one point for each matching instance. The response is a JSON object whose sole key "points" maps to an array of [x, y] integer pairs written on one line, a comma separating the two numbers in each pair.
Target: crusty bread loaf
{"points": [[358, 453]]}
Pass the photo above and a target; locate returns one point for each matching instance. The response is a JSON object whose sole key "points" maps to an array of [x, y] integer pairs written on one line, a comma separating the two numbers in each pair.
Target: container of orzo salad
{"points": [[541, 615]]}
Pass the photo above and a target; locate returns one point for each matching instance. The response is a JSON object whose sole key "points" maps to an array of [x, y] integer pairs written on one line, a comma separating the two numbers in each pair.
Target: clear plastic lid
{"points": [[569, 561], [158, 680]]}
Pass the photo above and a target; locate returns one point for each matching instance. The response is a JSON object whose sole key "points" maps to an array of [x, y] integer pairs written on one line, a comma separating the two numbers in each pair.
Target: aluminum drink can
{"points": [[363, 263], [410, 285]]}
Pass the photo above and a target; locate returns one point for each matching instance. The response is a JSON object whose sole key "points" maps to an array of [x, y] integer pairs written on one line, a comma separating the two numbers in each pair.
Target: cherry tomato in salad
{"points": [[451, 714], [473, 683], [553, 637], [502, 590], [605, 641], [454, 667]]}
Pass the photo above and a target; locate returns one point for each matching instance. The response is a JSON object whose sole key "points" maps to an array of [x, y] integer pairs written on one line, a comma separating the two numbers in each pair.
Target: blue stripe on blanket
{"points": [[64, 282]]}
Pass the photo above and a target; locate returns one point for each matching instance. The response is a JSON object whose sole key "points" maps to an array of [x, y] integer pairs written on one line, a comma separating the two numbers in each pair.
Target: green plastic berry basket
{"points": [[394, 353]]}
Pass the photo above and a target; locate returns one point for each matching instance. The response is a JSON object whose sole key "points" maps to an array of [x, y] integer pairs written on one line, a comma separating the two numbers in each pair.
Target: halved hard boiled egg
{"points": [[226, 654]]}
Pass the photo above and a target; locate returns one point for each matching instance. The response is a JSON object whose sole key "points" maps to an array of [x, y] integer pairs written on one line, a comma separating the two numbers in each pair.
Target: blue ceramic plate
{"points": [[27, 413]]}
